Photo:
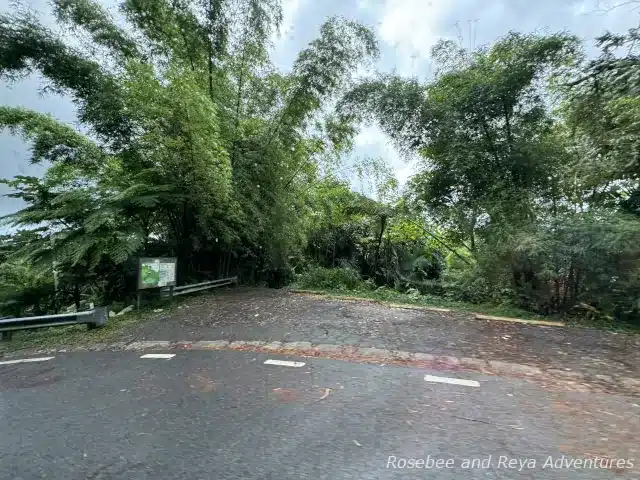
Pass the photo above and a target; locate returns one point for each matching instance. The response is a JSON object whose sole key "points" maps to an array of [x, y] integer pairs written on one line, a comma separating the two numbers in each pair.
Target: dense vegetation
{"points": [[191, 144]]}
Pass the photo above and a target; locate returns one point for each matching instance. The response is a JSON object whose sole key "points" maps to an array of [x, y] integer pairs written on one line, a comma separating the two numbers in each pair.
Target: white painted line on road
{"points": [[10, 362], [26, 360], [452, 381], [166, 356], [37, 359], [284, 363]]}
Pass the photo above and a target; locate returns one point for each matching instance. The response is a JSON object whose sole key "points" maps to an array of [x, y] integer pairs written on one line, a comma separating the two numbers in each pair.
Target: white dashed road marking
{"points": [[452, 381], [284, 363], [166, 356], [26, 360]]}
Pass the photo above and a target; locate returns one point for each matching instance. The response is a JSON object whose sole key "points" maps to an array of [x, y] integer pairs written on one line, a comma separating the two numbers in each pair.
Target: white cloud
{"points": [[412, 27], [406, 170], [374, 142], [368, 136], [585, 7], [582, 8], [282, 49], [290, 10]]}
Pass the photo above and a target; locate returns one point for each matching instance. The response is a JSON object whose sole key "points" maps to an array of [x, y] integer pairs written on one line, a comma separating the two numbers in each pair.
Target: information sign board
{"points": [[157, 272]]}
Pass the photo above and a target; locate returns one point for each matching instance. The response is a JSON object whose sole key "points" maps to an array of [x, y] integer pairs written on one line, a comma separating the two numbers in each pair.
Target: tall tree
{"points": [[477, 128], [192, 138]]}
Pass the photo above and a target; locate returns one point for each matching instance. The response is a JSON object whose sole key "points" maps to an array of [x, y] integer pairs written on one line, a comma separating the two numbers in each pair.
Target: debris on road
{"points": [[326, 394], [357, 443], [286, 395], [125, 310], [201, 382]]}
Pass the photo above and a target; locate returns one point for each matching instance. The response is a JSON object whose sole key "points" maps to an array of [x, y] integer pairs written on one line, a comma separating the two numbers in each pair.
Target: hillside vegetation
{"points": [[190, 143]]}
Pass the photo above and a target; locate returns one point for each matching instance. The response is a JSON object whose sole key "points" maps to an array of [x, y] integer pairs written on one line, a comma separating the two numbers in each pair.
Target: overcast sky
{"points": [[407, 29]]}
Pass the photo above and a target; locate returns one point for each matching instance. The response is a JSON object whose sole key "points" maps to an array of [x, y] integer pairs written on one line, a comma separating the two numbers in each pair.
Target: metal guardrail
{"points": [[196, 287], [93, 318], [98, 316]]}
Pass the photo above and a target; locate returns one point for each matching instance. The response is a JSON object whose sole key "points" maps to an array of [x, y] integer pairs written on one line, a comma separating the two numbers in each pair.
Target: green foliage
{"points": [[341, 278], [25, 290], [50, 140], [486, 112], [192, 144], [91, 17], [592, 258], [525, 198]]}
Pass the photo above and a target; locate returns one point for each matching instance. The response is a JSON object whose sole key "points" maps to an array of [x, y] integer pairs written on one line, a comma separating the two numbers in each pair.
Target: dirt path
{"points": [[277, 315]]}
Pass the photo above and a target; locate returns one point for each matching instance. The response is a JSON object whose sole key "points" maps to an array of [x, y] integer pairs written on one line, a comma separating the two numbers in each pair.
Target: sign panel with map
{"points": [[157, 272]]}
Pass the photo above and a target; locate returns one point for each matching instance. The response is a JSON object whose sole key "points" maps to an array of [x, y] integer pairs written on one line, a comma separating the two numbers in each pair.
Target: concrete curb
{"points": [[550, 377], [477, 316], [546, 323]]}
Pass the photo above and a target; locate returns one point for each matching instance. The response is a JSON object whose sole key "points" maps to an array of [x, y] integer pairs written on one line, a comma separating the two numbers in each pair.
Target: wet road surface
{"points": [[228, 415]]}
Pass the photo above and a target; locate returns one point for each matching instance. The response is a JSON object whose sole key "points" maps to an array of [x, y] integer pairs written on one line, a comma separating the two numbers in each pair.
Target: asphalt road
{"points": [[227, 415]]}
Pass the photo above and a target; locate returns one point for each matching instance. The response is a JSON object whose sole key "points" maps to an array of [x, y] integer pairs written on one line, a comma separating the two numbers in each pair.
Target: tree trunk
{"points": [[567, 285], [184, 246], [334, 253], [576, 285], [376, 255], [76, 295]]}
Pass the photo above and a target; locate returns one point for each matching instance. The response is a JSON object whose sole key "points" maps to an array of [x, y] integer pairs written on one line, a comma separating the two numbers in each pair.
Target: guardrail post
{"points": [[100, 316], [6, 336]]}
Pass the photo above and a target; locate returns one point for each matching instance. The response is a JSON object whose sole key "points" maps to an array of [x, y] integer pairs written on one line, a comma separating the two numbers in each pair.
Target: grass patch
{"points": [[608, 324], [78, 335], [392, 296]]}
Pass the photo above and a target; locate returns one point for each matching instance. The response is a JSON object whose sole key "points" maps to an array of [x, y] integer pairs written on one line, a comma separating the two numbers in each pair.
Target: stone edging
{"points": [[553, 378]]}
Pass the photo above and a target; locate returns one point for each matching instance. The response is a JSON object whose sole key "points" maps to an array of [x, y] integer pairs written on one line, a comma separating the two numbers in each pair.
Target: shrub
{"points": [[278, 277], [341, 278], [25, 290], [466, 283], [424, 287]]}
